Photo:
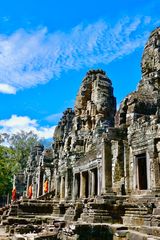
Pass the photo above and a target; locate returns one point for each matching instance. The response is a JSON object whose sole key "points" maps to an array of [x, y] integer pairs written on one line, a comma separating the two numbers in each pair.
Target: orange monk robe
{"points": [[45, 186], [30, 192], [14, 194]]}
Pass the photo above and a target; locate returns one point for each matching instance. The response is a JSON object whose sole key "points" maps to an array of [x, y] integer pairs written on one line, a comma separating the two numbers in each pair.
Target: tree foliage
{"points": [[14, 157], [8, 167], [22, 144]]}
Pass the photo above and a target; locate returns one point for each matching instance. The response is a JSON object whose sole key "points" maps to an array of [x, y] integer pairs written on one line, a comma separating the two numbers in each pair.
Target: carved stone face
{"points": [[76, 110], [95, 96], [151, 56]]}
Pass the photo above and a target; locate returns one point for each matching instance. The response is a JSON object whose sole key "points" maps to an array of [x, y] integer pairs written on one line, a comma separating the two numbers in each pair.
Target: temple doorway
{"points": [[86, 182], [142, 171], [41, 184], [77, 185]]}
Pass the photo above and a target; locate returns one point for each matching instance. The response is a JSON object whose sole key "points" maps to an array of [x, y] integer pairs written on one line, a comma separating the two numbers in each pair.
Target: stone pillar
{"points": [[99, 179], [39, 190], [34, 188], [57, 190], [70, 182], [106, 167], [132, 171], [150, 172], [38, 184], [95, 182], [44, 178], [28, 183], [62, 188], [52, 180], [126, 167], [76, 186], [92, 183], [74, 190], [156, 166], [66, 183], [49, 181], [82, 185]]}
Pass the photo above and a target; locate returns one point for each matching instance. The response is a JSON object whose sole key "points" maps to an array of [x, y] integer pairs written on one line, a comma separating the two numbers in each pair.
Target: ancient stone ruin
{"points": [[104, 169]]}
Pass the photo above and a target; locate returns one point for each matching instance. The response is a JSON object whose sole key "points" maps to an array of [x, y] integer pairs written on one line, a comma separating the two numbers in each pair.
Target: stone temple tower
{"points": [[95, 103], [145, 101], [151, 67], [78, 138], [139, 115]]}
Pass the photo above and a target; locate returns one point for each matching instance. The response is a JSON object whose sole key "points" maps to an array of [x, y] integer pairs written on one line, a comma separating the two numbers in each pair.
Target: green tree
{"points": [[8, 167], [22, 144], [14, 157]]}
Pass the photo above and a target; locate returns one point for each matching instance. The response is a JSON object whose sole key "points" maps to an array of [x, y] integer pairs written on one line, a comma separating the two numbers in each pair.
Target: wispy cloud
{"points": [[31, 58], [6, 88], [16, 124]]}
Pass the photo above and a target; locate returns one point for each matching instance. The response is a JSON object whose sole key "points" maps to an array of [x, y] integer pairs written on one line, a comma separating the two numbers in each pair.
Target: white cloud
{"points": [[31, 58], [45, 132], [18, 121], [16, 124], [6, 88]]}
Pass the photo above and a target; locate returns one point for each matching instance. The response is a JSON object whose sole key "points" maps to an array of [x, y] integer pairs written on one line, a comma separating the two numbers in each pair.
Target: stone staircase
{"points": [[28, 216], [35, 207], [142, 215], [155, 219], [99, 210], [73, 212], [105, 209], [142, 211], [59, 209], [131, 218], [136, 215], [95, 213]]}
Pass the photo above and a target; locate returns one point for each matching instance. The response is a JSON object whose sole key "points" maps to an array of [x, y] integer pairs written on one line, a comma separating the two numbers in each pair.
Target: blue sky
{"points": [[47, 46]]}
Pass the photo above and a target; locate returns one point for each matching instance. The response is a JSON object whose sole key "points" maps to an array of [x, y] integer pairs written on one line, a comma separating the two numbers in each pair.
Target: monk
{"points": [[30, 192], [14, 194], [45, 186]]}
